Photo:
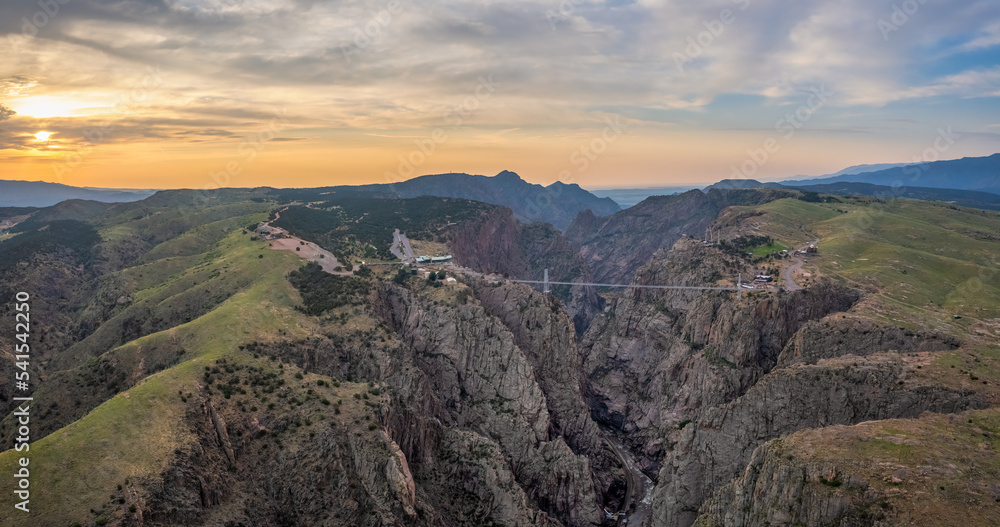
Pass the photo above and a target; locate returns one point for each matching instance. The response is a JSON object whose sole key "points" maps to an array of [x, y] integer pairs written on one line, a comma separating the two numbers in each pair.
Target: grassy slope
{"points": [[77, 467], [928, 261], [942, 464], [925, 262], [186, 274]]}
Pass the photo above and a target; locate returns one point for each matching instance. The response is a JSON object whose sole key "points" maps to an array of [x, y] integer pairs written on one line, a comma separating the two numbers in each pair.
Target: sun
{"points": [[41, 137]]}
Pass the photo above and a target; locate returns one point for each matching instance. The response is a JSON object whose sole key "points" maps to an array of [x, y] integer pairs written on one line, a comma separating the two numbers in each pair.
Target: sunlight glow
{"points": [[45, 106], [43, 136]]}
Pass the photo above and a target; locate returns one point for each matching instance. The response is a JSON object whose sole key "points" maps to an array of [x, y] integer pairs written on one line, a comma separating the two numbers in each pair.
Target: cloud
{"points": [[16, 85], [988, 37], [969, 83], [6, 113], [354, 65]]}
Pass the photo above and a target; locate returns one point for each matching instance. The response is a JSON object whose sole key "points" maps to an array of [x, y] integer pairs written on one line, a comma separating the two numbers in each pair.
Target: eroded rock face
{"points": [[543, 331], [698, 380], [497, 243], [656, 361], [716, 447], [481, 380], [617, 246], [485, 425], [843, 335], [336, 478], [774, 490]]}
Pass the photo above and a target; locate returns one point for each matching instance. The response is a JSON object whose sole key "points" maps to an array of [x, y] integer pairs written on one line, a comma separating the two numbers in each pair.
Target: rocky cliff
{"points": [[877, 473], [616, 246], [656, 358], [542, 330], [478, 378], [855, 335], [697, 380], [497, 243], [484, 403], [465, 409], [717, 446], [776, 490]]}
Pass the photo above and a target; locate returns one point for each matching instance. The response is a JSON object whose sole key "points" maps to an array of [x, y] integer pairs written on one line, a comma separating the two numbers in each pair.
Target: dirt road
{"points": [[308, 250], [788, 275]]}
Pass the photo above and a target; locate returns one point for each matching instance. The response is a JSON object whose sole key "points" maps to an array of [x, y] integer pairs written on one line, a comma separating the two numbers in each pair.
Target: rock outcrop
{"points": [[479, 379], [616, 246], [776, 490], [497, 243], [717, 446], [543, 331], [843, 335], [698, 380], [655, 359]]}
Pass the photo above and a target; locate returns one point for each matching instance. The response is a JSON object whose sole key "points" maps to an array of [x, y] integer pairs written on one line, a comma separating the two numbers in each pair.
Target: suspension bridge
{"points": [[546, 285]]}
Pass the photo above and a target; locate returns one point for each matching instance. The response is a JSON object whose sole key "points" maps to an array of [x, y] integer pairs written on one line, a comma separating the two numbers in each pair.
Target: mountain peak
{"points": [[507, 174], [559, 184], [737, 183]]}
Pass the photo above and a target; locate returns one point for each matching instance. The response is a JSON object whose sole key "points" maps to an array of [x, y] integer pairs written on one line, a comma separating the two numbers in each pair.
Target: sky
{"points": [[299, 93]]}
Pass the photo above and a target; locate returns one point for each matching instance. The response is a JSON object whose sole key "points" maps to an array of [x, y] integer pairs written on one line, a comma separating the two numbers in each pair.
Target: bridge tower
{"points": [[545, 281]]}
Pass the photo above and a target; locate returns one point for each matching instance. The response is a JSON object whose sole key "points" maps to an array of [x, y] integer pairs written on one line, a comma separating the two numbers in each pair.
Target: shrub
{"points": [[830, 482]]}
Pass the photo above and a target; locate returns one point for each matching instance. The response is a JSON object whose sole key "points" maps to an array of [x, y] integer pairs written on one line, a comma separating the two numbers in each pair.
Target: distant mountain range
{"points": [[41, 194], [965, 198], [557, 203], [969, 173], [856, 169], [970, 182]]}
